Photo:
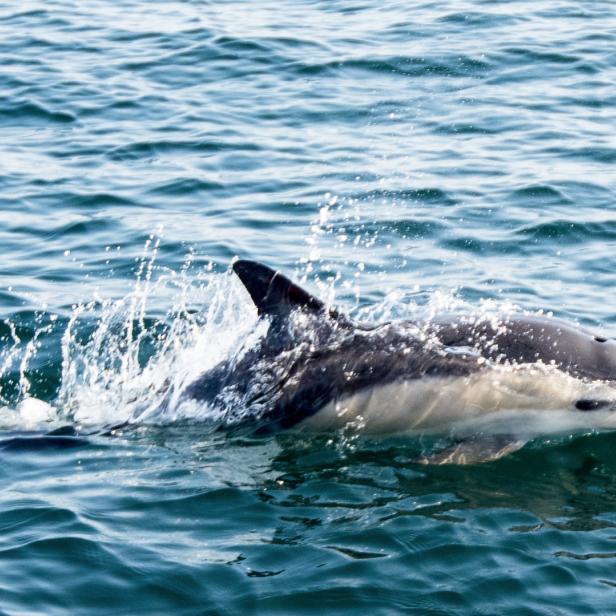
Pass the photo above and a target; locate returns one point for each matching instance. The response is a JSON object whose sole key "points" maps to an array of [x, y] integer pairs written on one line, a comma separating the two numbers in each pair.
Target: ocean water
{"points": [[399, 159]]}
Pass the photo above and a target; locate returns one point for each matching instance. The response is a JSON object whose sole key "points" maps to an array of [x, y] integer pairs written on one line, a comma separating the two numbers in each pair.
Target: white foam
{"points": [[34, 412]]}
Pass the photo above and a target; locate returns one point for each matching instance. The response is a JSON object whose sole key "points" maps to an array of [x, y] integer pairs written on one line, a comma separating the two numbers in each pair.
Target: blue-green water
{"points": [[401, 157]]}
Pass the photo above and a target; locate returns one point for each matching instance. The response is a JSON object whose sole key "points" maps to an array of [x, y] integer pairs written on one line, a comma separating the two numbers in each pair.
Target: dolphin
{"points": [[316, 369]]}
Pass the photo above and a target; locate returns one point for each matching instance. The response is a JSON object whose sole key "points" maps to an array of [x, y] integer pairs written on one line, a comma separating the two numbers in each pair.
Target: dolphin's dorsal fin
{"points": [[272, 293]]}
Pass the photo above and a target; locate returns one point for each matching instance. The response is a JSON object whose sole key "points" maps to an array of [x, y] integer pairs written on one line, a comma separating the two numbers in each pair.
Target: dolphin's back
{"points": [[531, 339]]}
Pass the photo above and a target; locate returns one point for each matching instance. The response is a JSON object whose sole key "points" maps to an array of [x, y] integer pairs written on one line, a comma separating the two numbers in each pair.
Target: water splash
{"points": [[130, 362], [121, 364]]}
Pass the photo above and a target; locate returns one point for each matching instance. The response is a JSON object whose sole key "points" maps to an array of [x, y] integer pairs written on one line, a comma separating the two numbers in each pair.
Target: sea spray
{"points": [[125, 360], [132, 365]]}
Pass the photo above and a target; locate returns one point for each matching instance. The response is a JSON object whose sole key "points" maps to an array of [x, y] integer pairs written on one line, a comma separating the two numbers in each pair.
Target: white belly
{"points": [[462, 404]]}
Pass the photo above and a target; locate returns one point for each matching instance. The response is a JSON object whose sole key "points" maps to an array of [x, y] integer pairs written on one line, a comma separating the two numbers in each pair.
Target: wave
{"points": [[34, 112]]}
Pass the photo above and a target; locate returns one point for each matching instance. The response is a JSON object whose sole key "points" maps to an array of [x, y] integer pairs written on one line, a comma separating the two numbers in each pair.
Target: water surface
{"points": [[400, 160]]}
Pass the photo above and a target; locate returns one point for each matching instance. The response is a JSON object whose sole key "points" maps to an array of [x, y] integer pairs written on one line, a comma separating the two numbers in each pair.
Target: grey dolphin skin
{"points": [[314, 358]]}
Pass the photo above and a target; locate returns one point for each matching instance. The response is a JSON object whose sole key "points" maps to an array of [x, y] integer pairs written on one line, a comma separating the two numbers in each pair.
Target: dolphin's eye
{"points": [[600, 339], [591, 405]]}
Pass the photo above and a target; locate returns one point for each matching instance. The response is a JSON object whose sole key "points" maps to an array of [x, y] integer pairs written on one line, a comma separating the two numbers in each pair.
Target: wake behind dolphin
{"points": [[316, 369]]}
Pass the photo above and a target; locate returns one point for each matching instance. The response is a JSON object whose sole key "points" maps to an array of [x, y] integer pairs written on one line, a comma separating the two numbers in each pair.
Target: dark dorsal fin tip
{"points": [[271, 292]]}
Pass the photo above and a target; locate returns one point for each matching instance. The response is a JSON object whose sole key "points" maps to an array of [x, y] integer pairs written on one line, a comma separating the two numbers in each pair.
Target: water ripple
{"points": [[397, 157]]}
